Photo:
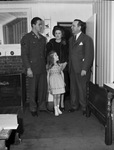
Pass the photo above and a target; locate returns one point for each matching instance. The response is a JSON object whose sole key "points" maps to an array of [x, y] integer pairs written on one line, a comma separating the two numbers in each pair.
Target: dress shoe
{"points": [[34, 113], [45, 110], [84, 112], [62, 108], [73, 110], [50, 111], [42, 110]]}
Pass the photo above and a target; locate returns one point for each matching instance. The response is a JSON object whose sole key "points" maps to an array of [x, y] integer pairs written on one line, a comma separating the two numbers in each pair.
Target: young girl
{"points": [[55, 78]]}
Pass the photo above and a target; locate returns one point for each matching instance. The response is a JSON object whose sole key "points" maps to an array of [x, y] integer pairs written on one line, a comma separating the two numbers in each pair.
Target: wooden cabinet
{"points": [[12, 90], [101, 104]]}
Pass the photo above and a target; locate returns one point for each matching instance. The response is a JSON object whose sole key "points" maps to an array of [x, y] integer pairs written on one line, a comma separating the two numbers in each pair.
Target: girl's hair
{"points": [[50, 59]]}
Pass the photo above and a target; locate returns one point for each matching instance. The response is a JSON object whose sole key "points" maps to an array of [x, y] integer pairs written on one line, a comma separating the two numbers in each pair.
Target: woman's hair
{"points": [[50, 59], [58, 28]]}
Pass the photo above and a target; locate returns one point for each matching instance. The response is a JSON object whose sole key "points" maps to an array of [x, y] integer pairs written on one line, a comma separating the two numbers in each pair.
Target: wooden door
{"points": [[91, 31]]}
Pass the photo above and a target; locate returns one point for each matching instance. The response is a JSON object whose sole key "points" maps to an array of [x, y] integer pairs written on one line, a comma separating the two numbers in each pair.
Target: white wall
{"points": [[112, 44], [57, 12], [62, 12], [1, 37]]}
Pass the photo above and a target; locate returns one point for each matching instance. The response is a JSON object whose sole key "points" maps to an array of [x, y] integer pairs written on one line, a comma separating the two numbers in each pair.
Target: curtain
{"points": [[14, 31]]}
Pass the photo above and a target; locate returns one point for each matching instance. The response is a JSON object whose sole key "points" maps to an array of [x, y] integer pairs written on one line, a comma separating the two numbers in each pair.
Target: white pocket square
{"points": [[81, 43]]}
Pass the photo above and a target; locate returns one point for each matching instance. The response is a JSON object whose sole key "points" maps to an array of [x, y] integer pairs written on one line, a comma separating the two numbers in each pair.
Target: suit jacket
{"points": [[81, 53], [33, 52]]}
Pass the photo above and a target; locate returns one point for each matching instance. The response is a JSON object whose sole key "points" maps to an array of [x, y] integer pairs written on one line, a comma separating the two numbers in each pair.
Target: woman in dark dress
{"points": [[60, 46]]}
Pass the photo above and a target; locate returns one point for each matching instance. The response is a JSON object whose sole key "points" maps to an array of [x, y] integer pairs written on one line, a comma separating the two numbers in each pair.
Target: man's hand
{"points": [[83, 73], [29, 73]]}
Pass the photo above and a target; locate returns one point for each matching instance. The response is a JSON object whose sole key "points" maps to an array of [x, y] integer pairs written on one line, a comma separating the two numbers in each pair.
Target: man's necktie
{"points": [[76, 37]]}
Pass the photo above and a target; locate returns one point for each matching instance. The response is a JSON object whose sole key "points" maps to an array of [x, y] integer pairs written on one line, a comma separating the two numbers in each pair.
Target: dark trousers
{"points": [[67, 81], [78, 85], [37, 92]]}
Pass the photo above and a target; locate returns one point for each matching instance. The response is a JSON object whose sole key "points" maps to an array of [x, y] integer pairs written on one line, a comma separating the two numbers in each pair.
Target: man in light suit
{"points": [[81, 54]]}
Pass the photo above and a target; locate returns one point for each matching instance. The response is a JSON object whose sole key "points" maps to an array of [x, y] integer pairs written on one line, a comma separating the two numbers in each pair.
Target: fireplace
{"points": [[12, 91]]}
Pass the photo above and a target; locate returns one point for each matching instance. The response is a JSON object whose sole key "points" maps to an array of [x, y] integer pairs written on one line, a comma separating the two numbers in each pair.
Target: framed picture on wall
{"points": [[47, 23], [67, 28], [47, 28]]}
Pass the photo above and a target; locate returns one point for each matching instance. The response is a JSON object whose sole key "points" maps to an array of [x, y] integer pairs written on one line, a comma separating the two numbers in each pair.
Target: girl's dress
{"points": [[56, 80]]}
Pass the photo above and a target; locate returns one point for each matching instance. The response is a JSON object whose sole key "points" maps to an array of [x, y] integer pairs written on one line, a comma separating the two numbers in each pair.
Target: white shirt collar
{"points": [[77, 35]]}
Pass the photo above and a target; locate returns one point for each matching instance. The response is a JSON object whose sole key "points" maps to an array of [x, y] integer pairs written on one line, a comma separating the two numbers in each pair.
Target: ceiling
{"points": [[54, 0], [8, 16]]}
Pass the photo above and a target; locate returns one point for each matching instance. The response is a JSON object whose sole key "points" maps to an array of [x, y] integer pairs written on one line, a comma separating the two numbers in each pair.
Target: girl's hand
{"points": [[47, 67], [64, 65]]}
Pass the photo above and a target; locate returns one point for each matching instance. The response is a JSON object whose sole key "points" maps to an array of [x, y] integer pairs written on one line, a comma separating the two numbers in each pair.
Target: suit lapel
{"points": [[78, 40]]}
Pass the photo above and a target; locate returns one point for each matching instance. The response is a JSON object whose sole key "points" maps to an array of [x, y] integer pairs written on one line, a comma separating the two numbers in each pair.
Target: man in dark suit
{"points": [[81, 54], [33, 46]]}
